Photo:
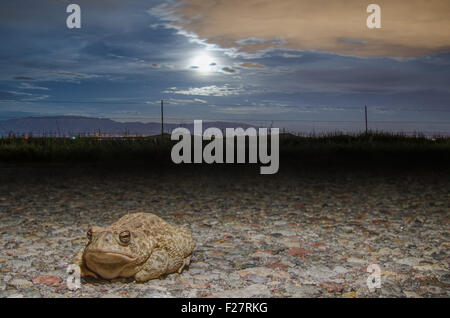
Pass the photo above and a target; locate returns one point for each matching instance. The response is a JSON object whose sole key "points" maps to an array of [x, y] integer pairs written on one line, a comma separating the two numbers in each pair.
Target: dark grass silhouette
{"points": [[383, 150]]}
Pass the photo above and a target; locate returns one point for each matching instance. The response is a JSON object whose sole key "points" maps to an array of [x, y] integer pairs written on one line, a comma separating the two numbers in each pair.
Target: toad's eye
{"points": [[125, 237], [89, 234]]}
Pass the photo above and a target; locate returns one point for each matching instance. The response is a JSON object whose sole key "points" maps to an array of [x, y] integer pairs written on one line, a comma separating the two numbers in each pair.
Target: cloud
{"points": [[73, 75], [15, 96], [24, 78], [252, 65], [249, 41], [31, 86], [228, 70], [409, 28], [248, 110], [212, 90]]}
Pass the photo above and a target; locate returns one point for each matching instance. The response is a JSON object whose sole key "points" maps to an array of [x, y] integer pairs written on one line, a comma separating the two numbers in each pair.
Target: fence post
{"points": [[365, 115], [162, 118]]}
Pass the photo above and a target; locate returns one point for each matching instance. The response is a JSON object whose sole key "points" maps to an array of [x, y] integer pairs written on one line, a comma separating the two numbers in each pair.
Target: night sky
{"points": [[305, 65]]}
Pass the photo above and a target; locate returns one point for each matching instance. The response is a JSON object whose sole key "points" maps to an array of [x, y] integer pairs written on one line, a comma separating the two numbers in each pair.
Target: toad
{"points": [[139, 245]]}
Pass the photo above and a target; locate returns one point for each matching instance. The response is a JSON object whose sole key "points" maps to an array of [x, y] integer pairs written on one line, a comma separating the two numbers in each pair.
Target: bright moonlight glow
{"points": [[203, 63]]}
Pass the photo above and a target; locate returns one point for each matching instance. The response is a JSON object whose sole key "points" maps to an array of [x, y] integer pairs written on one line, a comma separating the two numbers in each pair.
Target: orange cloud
{"points": [[409, 28], [251, 65]]}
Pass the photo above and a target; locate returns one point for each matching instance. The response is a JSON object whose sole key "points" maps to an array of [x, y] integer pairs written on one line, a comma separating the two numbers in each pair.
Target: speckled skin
{"points": [[155, 248]]}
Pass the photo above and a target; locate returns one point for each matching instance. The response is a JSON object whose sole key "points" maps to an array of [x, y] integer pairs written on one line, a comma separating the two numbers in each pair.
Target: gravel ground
{"points": [[294, 235]]}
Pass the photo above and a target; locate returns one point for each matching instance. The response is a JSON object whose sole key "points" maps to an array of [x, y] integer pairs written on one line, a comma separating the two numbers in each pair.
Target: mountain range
{"points": [[65, 126]]}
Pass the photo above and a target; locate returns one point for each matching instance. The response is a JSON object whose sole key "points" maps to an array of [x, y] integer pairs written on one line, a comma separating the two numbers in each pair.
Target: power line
{"points": [[288, 120]]}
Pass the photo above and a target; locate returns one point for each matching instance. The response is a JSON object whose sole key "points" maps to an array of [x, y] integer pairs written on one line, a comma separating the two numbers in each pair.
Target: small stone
{"points": [[445, 279], [249, 291], [318, 273], [260, 271], [291, 244], [411, 294], [351, 294], [281, 275], [434, 290], [156, 293], [20, 283], [356, 260], [262, 254], [298, 262], [390, 289], [276, 234], [296, 251], [52, 281], [384, 251], [347, 229], [302, 291], [278, 265], [429, 267], [112, 296], [332, 287], [410, 261], [256, 278], [340, 270]]}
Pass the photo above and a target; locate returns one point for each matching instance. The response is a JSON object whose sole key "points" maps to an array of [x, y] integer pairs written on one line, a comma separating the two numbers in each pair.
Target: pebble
{"points": [[47, 280], [20, 283], [340, 270], [256, 278], [249, 291], [303, 291], [445, 279], [410, 261]]}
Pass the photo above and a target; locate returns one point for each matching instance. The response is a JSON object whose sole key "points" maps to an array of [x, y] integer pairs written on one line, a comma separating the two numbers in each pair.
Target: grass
{"points": [[332, 149], [81, 149]]}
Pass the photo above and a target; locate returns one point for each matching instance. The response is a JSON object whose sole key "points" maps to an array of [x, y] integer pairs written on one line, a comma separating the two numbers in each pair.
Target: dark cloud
{"points": [[228, 70], [24, 78]]}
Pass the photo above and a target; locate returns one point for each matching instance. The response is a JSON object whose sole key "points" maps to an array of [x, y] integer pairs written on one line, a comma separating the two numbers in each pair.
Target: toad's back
{"points": [[167, 236]]}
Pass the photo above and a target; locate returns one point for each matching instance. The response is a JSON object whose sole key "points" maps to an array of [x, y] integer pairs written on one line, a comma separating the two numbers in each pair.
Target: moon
{"points": [[203, 63]]}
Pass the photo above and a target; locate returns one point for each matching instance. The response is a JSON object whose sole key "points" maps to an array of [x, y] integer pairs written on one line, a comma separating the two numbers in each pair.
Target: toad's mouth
{"points": [[109, 257], [110, 264]]}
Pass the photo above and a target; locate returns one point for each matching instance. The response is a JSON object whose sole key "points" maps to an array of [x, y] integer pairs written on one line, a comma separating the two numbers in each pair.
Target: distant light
{"points": [[73, 137], [26, 137]]}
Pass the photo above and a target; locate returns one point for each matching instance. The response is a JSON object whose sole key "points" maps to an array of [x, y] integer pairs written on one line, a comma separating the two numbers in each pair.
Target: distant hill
{"points": [[75, 125]]}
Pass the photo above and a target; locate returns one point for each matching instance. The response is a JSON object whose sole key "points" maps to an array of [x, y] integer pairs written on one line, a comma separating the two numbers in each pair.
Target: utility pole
{"points": [[162, 117], [365, 113], [59, 130]]}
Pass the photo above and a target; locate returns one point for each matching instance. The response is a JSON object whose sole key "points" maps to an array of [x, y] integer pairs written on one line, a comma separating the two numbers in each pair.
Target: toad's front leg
{"points": [[155, 266], [78, 260]]}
